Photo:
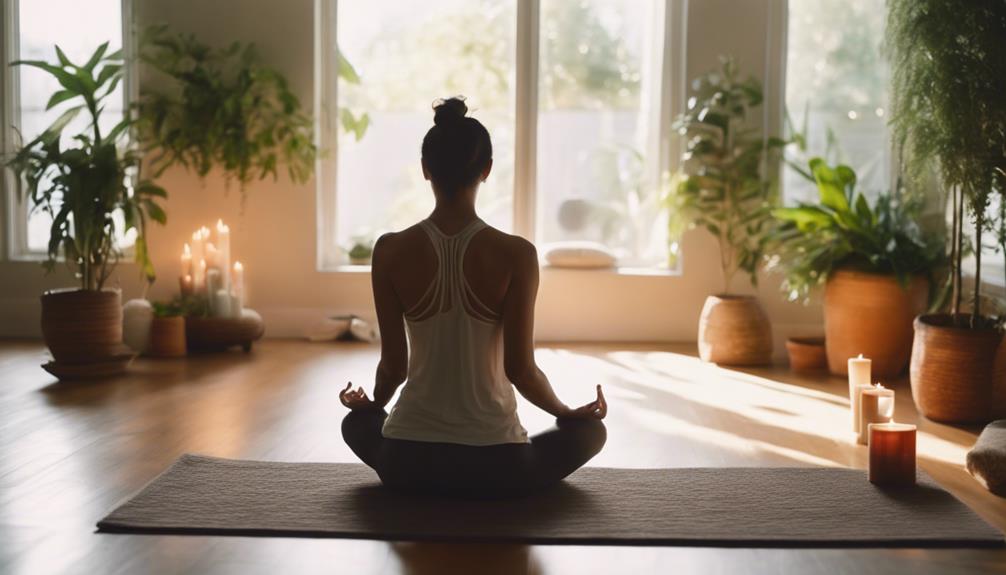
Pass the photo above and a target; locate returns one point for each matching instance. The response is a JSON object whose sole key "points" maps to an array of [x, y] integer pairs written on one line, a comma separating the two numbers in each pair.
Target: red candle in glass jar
{"points": [[892, 454]]}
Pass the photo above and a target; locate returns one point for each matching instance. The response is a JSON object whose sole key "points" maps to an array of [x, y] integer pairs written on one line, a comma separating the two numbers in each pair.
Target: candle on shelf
{"points": [[859, 369], [892, 454], [186, 284], [876, 405], [223, 245], [186, 260], [197, 256]]}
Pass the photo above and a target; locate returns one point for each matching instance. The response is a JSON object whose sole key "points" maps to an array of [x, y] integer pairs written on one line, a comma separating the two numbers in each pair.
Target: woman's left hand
{"points": [[356, 399]]}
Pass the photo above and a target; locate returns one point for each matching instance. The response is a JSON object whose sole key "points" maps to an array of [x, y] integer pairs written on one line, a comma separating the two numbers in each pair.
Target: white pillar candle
{"points": [[213, 284], [197, 256], [199, 283], [876, 405], [212, 256], [223, 245], [221, 303], [859, 374], [238, 282], [857, 403], [237, 308], [186, 261]]}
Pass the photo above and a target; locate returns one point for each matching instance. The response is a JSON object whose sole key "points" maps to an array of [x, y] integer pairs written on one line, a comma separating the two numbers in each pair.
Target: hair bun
{"points": [[449, 111]]}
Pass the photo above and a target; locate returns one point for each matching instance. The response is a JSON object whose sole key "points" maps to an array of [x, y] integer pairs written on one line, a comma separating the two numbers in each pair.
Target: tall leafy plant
{"points": [[948, 62], [723, 186], [842, 230], [224, 108], [83, 178]]}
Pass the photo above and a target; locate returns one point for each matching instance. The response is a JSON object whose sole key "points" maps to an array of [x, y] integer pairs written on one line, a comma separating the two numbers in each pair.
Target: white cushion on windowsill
{"points": [[579, 255]]}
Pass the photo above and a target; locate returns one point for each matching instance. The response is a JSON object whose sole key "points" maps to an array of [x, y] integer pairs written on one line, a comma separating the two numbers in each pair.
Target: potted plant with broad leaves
{"points": [[723, 187], [84, 179], [226, 109], [874, 262], [167, 330], [949, 76], [361, 250]]}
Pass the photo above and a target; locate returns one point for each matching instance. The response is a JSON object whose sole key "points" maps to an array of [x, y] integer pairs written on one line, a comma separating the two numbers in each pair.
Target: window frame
{"points": [[14, 243], [668, 95]]}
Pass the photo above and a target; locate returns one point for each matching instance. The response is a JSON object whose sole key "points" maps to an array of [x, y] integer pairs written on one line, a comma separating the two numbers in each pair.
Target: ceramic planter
{"points": [[871, 314], [806, 354], [82, 326], [734, 330], [958, 374], [167, 337]]}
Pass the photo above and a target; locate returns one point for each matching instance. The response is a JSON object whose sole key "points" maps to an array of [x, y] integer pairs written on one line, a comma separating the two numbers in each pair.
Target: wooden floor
{"points": [[70, 451]]}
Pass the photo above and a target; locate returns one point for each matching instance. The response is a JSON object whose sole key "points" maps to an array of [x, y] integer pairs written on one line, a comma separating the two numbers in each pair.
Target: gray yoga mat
{"points": [[752, 507]]}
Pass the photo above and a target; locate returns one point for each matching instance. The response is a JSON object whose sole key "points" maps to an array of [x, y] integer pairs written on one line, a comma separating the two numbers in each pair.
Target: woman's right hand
{"points": [[596, 409]]}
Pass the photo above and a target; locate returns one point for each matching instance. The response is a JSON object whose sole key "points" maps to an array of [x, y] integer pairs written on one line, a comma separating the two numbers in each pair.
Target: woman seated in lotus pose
{"points": [[465, 293]]}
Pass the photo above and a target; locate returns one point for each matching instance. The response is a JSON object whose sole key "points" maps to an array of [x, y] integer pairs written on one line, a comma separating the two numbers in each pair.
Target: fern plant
{"points": [[723, 186], [948, 62], [83, 179]]}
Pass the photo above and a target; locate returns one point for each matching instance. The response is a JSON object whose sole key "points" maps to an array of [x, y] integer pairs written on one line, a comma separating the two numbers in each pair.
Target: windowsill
{"points": [[546, 269]]}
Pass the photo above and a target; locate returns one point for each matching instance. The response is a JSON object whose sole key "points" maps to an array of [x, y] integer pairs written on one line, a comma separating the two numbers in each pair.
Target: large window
{"points": [[836, 89], [570, 90], [31, 30]]}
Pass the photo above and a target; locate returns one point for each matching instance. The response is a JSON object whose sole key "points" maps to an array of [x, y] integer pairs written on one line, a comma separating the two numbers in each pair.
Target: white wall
{"points": [[274, 233]]}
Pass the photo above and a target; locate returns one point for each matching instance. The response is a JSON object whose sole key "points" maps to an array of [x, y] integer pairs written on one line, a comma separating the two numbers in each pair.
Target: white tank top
{"points": [[457, 391]]}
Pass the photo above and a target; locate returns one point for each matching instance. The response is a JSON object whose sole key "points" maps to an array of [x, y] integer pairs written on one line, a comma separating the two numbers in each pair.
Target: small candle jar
{"points": [[876, 405], [892, 454]]}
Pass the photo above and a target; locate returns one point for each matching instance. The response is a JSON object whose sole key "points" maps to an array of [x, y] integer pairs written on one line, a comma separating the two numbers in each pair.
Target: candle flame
{"points": [[196, 236], [204, 232], [221, 227], [879, 385], [238, 267], [188, 278], [187, 251], [202, 264]]}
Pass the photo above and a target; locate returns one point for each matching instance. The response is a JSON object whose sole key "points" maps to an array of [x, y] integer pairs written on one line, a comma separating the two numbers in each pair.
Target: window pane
{"points": [[836, 86], [80, 28], [596, 124], [407, 54]]}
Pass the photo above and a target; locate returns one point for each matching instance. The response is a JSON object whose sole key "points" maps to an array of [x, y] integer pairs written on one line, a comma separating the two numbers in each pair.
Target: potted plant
{"points": [[874, 263], [83, 178], [225, 109], [723, 188], [167, 330], [949, 64], [361, 251]]}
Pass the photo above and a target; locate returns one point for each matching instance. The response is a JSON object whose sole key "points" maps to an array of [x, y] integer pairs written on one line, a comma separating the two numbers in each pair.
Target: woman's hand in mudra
{"points": [[596, 409], [356, 399]]}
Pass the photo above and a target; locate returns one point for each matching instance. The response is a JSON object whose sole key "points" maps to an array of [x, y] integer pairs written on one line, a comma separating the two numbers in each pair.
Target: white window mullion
{"points": [[15, 239], [526, 133], [326, 66]]}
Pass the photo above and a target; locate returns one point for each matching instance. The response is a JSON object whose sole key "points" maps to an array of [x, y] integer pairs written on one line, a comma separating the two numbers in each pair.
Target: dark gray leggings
{"points": [[490, 471]]}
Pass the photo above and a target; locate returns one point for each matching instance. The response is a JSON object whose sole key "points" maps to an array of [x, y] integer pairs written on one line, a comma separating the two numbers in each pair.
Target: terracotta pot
{"points": [[167, 337], [806, 354], [871, 314], [734, 330], [958, 374], [82, 326]]}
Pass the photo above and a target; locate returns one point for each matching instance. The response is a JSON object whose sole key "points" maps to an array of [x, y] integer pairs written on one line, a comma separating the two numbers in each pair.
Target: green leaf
{"points": [[95, 58], [346, 71], [56, 128], [58, 98], [63, 60]]}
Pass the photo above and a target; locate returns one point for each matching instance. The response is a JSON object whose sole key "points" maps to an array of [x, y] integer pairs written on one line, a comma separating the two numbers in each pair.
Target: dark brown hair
{"points": [[457, 149]]}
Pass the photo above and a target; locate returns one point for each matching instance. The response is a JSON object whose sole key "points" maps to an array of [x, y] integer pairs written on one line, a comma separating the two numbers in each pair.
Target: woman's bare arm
{"points": [[393, 367], [518, 332]]}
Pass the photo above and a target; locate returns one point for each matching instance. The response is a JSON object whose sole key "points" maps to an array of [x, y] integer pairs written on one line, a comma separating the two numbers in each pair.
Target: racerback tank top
{"points": [[456, 391]]}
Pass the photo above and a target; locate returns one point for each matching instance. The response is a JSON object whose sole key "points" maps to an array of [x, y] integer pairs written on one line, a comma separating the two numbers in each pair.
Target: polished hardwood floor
{"points": [[70, 451]]}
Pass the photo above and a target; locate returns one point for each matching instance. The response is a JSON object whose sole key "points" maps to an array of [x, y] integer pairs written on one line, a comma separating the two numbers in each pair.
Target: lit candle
{"points": [[213, 285], [223, 245], [222, 303], [859, 374], [186, 284], [212, 256], [892, 454], [186, 260], [199, 283], [197, 256], [876, 405], [238, 282]]}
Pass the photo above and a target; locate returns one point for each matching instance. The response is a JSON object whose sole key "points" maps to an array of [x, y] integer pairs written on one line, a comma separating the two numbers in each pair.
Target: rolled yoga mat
{"points": [[749, 507]]}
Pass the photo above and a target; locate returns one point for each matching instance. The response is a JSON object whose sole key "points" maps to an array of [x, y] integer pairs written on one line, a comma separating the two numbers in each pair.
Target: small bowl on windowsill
{"points": [[806, 354]]}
